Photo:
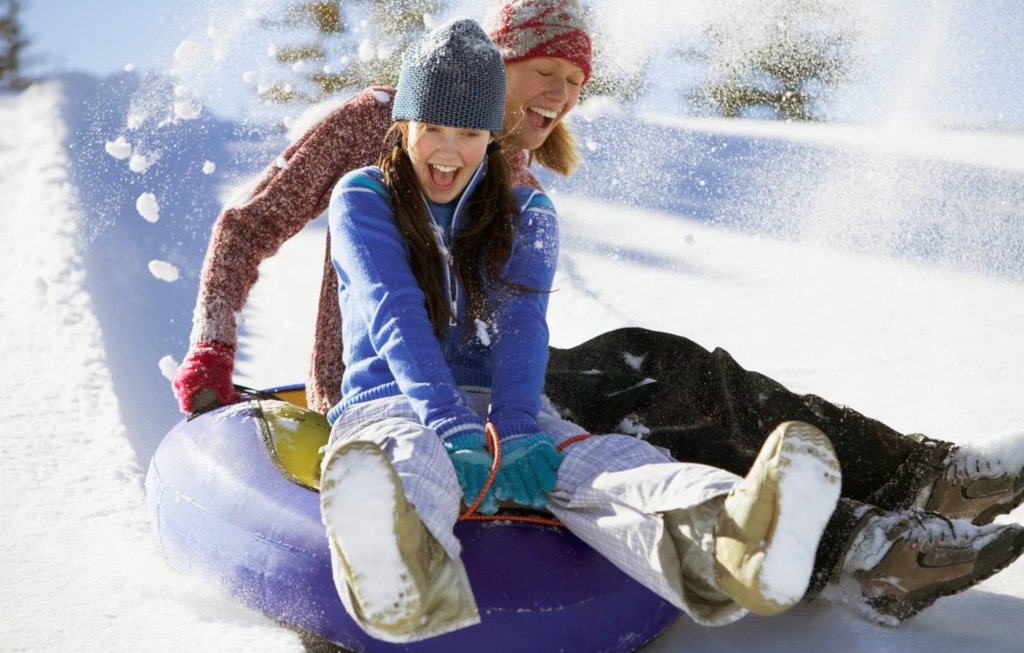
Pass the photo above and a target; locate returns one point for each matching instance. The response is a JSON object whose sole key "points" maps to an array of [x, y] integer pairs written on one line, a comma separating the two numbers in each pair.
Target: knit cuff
{"points": [[460, 433], [525, 440], [465, 440]]}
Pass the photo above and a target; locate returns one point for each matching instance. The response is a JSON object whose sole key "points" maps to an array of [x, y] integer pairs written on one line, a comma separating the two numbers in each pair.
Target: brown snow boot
{"points": [[972, 485], [907, 560], [768, 531]]}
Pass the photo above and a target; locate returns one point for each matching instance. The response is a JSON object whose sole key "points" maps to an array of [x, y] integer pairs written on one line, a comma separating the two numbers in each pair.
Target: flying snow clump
{"points": [[148, 207], [163, 270], [139, 163], [119, 148], [168, 367], [367, 51], [188, 54], [186, 109]]}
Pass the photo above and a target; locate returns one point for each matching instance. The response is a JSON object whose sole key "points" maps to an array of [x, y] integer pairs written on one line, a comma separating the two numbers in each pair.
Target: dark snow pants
{"points": [[703, 407]]}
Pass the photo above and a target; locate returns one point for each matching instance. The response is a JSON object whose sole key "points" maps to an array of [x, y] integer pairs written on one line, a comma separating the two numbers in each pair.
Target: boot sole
{"points": [[361, 499], [799, 486], [809, 488]]}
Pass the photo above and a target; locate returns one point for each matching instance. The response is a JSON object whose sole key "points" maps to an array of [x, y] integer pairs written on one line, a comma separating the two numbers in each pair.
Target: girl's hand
{"points": [[529, 469], [205, 377], [472, 468]]}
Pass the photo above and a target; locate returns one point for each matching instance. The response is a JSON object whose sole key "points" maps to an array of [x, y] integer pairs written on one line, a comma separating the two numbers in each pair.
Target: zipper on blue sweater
{"points": [[450, 281], [451, 287]]}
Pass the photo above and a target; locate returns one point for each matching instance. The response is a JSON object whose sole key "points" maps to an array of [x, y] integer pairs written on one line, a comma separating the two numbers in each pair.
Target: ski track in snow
{"points": [[922, 347]]}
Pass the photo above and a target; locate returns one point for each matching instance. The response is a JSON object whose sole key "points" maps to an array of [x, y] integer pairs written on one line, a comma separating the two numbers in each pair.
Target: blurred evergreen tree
{"points": [[610, 78], [331, 46], [12, 45], [782, 58]]}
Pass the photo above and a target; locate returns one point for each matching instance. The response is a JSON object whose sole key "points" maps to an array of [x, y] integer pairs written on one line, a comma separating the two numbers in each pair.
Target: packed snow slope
{"points": [[881, 270]]}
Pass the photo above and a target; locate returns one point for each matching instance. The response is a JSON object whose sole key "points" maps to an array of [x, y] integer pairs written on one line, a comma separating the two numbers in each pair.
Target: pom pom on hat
{"points": [[453, 77], [524, 29]]}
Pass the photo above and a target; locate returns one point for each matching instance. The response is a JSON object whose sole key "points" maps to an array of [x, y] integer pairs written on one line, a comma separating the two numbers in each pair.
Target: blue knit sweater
{"points": [[389, 343]]}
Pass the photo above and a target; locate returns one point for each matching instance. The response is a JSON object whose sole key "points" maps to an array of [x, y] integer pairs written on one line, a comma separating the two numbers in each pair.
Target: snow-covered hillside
{"points": [[81, 568], [826, 280]]}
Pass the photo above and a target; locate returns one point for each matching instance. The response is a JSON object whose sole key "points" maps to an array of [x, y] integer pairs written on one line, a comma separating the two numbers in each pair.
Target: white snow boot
{"points": [[381, 553], [768, 531]]}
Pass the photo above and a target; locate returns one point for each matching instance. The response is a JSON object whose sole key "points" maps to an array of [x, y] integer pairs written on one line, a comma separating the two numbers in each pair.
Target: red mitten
{"points": [[207, 366]]}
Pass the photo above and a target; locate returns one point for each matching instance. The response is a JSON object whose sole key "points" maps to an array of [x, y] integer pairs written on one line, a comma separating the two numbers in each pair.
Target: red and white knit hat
{"points": [[524, 29]]}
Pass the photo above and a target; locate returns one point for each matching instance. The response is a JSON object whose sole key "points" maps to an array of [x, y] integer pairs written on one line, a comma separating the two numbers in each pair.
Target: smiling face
{"points": [[444, 158], [540, 92]]}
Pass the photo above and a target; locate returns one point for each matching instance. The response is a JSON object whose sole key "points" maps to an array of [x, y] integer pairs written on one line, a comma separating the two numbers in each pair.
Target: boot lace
{"points": [[924, 529], [965, 465]]}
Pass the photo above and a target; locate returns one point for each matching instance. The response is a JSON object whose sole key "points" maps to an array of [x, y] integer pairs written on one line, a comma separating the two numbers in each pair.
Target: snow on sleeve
{"points": [[147, 207], [631, 425], [119, 148], [168, 367], [632, 360], [163, 270], [481, 333], [381, 97]]}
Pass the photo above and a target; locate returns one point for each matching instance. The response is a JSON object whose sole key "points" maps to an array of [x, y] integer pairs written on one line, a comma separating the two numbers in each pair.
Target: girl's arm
{"points": [[372, 263], [519, 332], [293, 191]]}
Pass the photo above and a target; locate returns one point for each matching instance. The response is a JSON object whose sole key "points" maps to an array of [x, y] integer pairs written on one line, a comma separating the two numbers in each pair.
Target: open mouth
{"points": [[443, 177], [540, 118]]}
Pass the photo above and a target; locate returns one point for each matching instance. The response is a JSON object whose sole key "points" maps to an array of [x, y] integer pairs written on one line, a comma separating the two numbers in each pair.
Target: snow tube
{"points": [[233, 496]]}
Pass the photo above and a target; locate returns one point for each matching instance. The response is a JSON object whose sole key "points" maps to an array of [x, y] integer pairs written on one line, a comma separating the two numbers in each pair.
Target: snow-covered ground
{"points": [[917, 327]]}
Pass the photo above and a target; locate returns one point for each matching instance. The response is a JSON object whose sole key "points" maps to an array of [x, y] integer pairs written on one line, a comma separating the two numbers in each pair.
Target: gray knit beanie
{"points": [[453, 77]]}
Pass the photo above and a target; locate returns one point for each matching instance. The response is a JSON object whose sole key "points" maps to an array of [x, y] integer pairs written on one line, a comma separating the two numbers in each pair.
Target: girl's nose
{"points": [[557, 88], [448, 142]]}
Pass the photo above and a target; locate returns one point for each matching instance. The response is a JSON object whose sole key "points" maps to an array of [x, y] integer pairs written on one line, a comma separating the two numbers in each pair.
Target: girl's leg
{"points": [[389, 501], [704, 407], [700, 537]]}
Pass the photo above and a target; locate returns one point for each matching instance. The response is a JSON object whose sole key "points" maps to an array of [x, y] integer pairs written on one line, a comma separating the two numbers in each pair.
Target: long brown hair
{"points": [[484, 246]]}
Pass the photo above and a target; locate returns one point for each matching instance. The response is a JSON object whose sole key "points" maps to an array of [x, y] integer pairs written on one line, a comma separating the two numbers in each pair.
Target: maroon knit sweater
{"points": [[295, 190]]}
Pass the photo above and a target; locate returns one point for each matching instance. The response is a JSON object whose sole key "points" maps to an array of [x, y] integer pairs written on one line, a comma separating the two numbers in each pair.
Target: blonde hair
{"points": [[559, 151]]}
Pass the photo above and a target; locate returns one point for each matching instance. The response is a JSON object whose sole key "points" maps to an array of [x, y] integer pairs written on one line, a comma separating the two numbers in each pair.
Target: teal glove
{"points": [[472, 468], [529, 469]]}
